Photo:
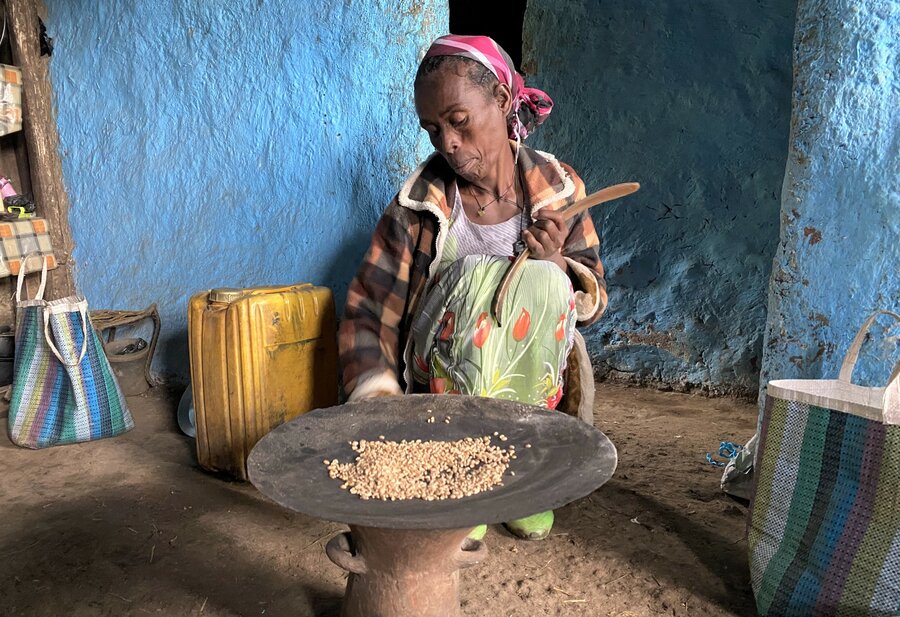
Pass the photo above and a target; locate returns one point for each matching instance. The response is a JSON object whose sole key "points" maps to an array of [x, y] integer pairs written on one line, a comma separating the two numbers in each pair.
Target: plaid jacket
{"points": [[406, 250]]}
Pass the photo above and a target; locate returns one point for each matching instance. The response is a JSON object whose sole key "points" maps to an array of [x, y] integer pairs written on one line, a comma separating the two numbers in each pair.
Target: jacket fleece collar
{"points": [[545, 182]]}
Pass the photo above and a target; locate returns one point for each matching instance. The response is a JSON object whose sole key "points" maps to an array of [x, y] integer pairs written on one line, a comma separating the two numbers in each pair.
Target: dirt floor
{"points": [[131, 526]]}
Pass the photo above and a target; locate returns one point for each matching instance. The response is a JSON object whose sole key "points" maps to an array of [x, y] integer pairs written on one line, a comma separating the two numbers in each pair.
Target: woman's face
{"points": [[464, 123]]}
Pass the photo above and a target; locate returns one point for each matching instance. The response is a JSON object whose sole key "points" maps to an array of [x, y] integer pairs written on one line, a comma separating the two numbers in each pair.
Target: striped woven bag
{"points": [[64, 390], [824, 532]]}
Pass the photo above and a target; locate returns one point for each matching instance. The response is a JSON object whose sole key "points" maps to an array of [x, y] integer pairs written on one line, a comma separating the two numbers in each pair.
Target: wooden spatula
{"points": [[595, 199]]}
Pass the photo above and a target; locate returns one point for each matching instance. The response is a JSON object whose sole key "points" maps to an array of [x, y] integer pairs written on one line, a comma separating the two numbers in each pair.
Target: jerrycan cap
{"points": [[225, 295]]}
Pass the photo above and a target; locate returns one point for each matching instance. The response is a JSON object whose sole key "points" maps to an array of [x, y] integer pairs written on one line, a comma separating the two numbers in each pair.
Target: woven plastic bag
{"points": [[824, 534], [63, 388]]}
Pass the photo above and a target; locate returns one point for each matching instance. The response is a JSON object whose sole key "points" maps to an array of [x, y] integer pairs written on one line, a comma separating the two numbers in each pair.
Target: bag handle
{"points": [[890, 404], [21, 277], [849, 363], [82, 310]]}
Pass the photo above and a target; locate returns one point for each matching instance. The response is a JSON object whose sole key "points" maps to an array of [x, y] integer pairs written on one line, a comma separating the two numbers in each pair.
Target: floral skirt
{"points": [[458, 348]]}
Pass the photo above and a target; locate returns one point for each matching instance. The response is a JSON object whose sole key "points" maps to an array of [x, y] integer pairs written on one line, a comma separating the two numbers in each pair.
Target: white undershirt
{"points": [[471, 239]]}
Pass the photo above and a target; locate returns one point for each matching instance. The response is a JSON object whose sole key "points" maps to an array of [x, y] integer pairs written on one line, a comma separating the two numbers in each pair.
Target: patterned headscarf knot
{"points": [[530, 106]]}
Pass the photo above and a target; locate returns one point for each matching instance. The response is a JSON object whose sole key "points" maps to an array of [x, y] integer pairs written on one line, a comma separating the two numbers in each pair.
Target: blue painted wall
{"points": [[230, 143], [692, 99], [839, 255]]}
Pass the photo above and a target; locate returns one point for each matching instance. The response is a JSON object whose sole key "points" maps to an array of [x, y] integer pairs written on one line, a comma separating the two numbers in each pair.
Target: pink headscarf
{"points": [[530, 105]]}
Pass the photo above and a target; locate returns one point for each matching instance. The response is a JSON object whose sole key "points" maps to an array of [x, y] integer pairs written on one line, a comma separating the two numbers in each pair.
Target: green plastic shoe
{"points": [[478, 533], [534, 527]]}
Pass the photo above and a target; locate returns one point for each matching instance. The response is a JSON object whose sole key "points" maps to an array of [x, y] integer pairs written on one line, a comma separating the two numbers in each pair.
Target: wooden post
{"points": [[43, 141]]}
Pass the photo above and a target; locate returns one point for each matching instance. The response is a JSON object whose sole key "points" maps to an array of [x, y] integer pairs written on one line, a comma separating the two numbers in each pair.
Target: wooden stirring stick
{"points": [[595, 199]]}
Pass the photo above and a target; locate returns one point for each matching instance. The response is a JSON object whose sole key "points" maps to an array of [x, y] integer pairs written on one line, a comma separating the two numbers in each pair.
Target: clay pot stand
{"points": [[403, 572]]}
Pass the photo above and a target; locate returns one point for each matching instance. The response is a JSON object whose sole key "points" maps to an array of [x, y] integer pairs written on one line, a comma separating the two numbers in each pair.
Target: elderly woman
{"points": [[417, 317]]}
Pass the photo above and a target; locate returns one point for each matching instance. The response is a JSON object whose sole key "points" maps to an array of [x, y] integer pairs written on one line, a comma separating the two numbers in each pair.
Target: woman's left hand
{"points": [[546, 236]]}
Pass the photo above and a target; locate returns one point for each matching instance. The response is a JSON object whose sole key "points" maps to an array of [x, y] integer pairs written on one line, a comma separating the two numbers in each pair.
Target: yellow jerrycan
{"points": [[259, 357]]}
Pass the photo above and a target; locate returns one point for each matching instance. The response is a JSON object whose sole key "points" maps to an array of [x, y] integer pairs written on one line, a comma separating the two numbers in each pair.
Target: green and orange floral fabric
{"points": [[458, 348]]}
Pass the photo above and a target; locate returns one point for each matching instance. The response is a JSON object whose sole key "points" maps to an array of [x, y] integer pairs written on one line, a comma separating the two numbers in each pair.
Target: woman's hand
{"points": [[546, 236]]}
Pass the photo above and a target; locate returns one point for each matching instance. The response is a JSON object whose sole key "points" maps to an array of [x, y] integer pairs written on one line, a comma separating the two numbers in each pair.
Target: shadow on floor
{"points": [[668, 544]]}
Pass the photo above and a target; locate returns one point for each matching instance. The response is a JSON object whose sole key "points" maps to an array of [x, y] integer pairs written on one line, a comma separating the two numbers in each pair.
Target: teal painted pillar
{"points": [[838, 257]]}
